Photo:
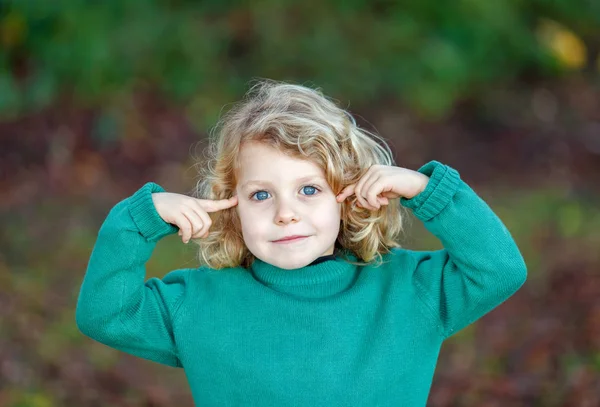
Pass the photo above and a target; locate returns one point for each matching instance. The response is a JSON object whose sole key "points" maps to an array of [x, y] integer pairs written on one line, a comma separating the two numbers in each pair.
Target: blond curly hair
{"points": [[303, 123]]}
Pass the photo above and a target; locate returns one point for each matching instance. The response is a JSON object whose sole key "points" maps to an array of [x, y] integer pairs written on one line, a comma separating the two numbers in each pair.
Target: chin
{"points": [[290, 263]]}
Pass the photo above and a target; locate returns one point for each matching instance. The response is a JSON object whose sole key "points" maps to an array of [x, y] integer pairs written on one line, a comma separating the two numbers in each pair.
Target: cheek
{"points": [[251, 219], [328, 215]]}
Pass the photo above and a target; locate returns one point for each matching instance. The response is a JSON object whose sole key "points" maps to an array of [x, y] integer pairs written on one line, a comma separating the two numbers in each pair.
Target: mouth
{"points": [[290, 239]]}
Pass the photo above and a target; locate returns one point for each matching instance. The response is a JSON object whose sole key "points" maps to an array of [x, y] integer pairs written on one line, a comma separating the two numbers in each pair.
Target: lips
{"points": [[290, 238]]}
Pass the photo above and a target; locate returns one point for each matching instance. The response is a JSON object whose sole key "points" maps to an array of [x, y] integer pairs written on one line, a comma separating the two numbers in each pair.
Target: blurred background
{"points": [[97, 98]]}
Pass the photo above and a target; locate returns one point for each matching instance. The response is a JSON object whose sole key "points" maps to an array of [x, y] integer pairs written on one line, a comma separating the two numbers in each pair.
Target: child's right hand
{"points": [[189, 214]]}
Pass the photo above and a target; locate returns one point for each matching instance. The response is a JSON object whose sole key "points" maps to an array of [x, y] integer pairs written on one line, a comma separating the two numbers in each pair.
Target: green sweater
{"points": [[328, 334]]}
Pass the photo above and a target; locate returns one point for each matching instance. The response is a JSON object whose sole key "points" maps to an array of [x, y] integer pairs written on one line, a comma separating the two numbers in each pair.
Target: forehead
{"points": [[260, 162]]}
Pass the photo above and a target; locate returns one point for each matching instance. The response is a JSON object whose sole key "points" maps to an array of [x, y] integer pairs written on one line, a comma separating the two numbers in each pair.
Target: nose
{"points": [[285, 213]]}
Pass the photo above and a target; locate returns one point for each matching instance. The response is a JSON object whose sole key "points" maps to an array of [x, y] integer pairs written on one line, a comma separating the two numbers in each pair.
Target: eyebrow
{"points": [[298, 180]]}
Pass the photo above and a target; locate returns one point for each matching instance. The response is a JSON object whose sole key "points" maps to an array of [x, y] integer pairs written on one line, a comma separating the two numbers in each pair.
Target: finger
{"points": [[369, 191], [360, 199], [346, 192], [204, 219], [189, 232], [210, 205], [206, 223], [342, 195], [360, 191], [361, 202], [372, 188], [196, 219], [185, 226]]}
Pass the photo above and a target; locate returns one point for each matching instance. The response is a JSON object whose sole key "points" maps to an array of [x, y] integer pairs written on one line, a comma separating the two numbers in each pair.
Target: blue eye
{"points": [[309, 190], [262, 193]]}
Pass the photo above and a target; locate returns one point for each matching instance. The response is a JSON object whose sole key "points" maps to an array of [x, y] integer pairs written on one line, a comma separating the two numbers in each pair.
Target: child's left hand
{"points": [[383, 182]]}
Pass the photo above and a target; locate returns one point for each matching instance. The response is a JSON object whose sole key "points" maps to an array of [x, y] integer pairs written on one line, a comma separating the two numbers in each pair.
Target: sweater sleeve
{"points": [[115, 306], [480, 265]]}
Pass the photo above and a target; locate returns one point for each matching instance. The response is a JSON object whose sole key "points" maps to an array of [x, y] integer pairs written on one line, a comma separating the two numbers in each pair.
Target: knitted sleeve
{"points": [[115, 306], [480, 266]]}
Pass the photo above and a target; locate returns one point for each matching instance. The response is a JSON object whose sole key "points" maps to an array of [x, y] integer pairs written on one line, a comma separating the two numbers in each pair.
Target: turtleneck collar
{"points": [[323, 258], [325, 276]]}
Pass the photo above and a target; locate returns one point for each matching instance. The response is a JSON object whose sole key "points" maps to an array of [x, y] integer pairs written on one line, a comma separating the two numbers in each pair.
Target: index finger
{"points": [[210, 205], [346, 192]]}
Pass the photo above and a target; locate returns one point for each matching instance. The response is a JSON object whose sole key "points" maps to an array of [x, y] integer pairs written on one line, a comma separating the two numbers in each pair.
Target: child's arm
{"points": [[480, 265], [115, 305]]}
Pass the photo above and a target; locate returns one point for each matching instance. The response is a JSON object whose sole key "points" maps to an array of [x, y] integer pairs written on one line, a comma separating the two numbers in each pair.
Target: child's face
{"points": [[284, 205]]}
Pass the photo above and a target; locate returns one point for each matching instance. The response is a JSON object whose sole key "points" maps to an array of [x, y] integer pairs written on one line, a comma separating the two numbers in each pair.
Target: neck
{"points": [[323, 258]]}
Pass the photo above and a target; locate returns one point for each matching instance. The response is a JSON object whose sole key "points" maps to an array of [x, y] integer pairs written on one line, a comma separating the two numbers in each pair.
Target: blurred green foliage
{"points": [[201, 54]]}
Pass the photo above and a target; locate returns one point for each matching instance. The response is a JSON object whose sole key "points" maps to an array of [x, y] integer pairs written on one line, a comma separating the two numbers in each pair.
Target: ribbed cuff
{"points": [[145, 216], [443, 184]]}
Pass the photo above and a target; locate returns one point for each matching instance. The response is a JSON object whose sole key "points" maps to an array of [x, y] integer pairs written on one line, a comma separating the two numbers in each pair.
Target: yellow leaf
{"points": [[567, 47]]}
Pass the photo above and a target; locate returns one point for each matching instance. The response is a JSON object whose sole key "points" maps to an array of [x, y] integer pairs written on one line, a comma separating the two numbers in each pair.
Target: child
{"points": [[303, 296]]}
